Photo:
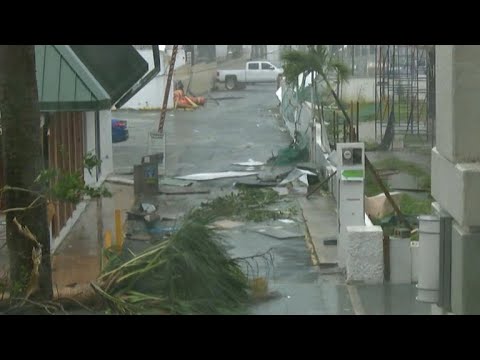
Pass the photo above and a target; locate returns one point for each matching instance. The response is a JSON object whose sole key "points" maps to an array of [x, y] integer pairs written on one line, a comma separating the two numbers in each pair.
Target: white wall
{"points": [[273, 53], [151, 96], [90, 145], [359, 89], [363, 89], [106, 148], [221, 51]]}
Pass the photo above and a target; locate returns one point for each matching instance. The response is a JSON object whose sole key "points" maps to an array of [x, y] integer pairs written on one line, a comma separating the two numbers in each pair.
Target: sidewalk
{"points": [[76, 262], [320, 215]]}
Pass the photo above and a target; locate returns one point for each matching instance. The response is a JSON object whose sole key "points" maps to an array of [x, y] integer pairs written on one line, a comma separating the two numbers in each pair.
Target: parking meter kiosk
{"points": [[350, 196]]}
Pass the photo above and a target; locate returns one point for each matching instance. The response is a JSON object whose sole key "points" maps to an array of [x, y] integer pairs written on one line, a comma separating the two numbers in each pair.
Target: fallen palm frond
{"points": [[190, 273], [248, 204]]}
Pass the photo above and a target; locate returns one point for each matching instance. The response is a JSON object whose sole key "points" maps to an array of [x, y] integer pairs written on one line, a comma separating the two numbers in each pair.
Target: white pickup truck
{"points": [[255, 72]]}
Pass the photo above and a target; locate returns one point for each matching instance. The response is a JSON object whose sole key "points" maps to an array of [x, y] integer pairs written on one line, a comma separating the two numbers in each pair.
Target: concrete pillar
{"points": [[456, 165]]}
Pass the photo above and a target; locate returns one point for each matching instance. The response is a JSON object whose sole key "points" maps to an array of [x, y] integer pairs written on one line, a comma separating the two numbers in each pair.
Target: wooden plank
{"points": [[64, 160], [81, 142], [71, 153], [75, 142], [54, 143]]}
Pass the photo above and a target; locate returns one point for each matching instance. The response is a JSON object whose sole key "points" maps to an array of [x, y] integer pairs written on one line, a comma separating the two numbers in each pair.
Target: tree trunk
{"points": [[23, 161]]}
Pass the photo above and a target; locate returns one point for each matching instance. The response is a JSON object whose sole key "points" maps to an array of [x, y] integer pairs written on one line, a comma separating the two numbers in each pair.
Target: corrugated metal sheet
{"points": [[116, 67], [64, 83]]}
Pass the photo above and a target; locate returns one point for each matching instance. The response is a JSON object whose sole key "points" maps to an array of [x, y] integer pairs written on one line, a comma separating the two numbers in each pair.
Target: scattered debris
{"points": [[292, 154], [311, 167], [254, 183], [139, 237], [151, 218], [248, 204], [301, 190], [330, 242], [175, 182], [119, 180], [278, 233], [303, 179], [378, 206], [187, 102], [286, 221], [281, 190], [259, 290], [218, 175], [274, 173], [229, 98], [181, 275], [226, 224], [133, 215], [172, 216], [296, 174], [171, 190], [162, 230], [148, 208], [331, 271]]}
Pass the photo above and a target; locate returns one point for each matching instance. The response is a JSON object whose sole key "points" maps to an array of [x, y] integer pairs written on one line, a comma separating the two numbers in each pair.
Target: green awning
{"points": [[64, 83], [116, 67]]}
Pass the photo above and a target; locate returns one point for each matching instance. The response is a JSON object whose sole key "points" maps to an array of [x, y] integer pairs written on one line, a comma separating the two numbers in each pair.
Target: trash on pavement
{"points": [[250, 162], [296, 174], [218, 175], [175, 182], [286, 221], [148, 208]]}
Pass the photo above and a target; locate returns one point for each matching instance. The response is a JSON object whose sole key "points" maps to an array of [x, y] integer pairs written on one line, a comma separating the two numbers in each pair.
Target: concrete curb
{"points": [[308, 240]]}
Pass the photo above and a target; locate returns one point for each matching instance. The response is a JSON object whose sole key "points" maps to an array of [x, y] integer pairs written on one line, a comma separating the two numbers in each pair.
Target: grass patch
{"points": [[367, 111], [393, 163], [409, 205], [371, 186]]}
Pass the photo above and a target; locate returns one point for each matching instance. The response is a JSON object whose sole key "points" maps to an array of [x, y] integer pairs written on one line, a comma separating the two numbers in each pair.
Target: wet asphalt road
{"points": [[239, 127]]}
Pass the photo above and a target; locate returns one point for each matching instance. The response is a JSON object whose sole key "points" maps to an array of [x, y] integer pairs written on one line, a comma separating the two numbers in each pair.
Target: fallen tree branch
{"points": [[23, 208], [14, 188], [48, 307], [33, 283]]}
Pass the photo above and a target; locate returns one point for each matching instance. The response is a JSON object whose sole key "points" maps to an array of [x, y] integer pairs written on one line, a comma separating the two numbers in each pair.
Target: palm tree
{"points": [[320, 61], [30, 268], [316, 60]]}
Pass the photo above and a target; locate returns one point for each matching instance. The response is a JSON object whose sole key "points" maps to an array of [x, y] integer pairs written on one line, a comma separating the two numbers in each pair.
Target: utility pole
{"points": [[167, 89]]}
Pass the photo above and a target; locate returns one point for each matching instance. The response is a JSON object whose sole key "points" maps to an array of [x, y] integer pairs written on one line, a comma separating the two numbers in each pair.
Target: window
{"points": [[253, 66], [267, 66]]}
